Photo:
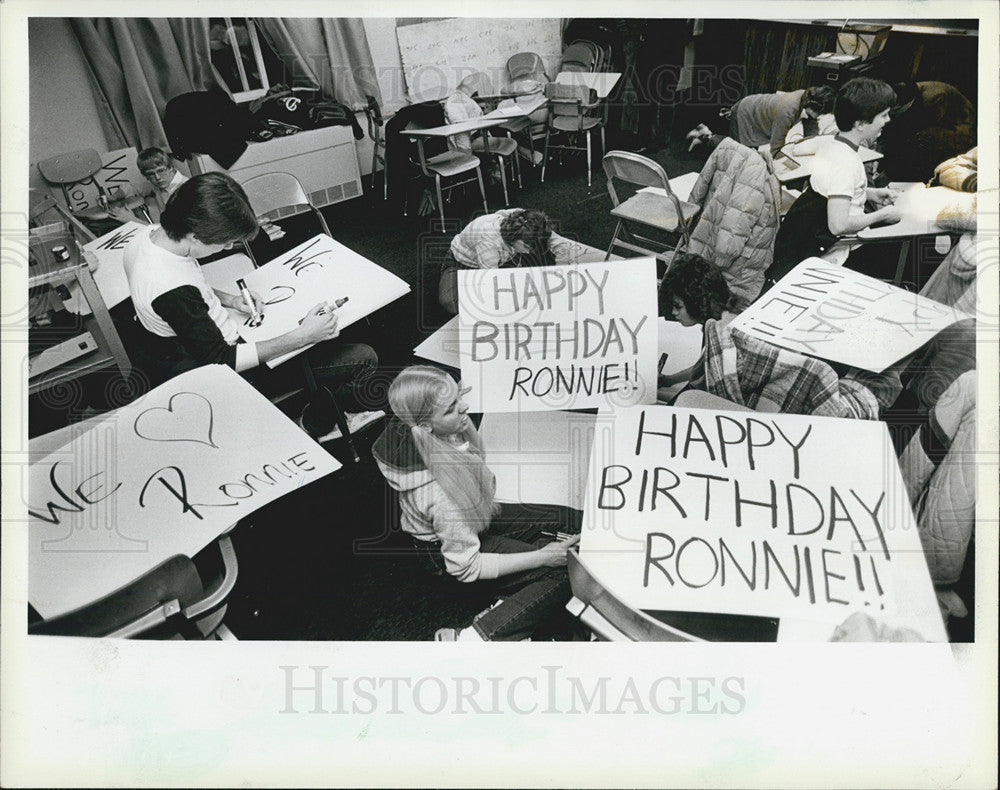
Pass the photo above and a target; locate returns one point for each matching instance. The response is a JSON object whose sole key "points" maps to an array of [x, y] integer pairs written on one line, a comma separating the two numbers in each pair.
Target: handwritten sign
{"points": [[119, 176], [164, 476], [774, 515], [837, 314], [559, 337], [318, 270], [109, 253]]}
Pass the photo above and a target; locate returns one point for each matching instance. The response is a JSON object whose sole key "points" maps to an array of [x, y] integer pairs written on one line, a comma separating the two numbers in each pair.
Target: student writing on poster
{"points": [[432, 454], [183, 323]]}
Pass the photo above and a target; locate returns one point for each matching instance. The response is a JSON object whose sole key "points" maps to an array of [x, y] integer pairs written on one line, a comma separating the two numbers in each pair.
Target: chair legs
{"points": [[437, 186], [503, 178], [545, 155], [588, 159], [482, 188]]}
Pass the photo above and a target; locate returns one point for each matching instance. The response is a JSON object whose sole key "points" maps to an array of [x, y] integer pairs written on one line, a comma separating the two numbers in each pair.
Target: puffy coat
{"points": [[739, 197]]}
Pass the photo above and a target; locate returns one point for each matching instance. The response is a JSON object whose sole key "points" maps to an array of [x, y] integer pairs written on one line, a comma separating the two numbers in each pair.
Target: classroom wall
{"points": [[381, 32], [61, 101]]}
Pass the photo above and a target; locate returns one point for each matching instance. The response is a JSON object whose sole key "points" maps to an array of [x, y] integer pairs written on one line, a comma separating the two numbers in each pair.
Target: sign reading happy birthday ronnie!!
{"points": [[559, 337], [834, 313], [775, 515]]}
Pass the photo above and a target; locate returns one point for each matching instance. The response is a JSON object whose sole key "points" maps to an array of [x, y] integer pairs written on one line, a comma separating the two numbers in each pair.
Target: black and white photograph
{"points": [[330, 338]]}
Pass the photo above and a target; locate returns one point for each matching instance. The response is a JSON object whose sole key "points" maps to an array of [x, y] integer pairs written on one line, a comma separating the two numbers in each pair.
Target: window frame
{"points": [[247, 94]]}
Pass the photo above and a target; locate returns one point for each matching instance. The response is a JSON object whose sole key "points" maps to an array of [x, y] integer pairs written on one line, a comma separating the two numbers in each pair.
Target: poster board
{"points": [[836, 314], [164, 475], [318, 270], [559, 337], [436, 56], [700, 510], [108, 256]]}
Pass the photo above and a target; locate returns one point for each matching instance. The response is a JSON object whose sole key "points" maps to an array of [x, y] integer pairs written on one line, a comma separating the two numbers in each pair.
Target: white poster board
{"points": [[108, 254], [559, 337], [436, 56], [164, 475], [318, 270], [833, 313], [775, 515]]}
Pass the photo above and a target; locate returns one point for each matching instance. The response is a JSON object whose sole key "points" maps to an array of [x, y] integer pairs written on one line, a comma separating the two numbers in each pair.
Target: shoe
{"points": [[355, 422]]}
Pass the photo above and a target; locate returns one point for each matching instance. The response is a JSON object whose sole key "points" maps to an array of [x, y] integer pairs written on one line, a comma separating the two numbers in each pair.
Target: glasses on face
{"points": [[159, 171]]}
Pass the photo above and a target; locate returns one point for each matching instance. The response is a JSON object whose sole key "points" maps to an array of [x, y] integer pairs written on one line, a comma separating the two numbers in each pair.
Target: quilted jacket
{"points": [[739, 198]]}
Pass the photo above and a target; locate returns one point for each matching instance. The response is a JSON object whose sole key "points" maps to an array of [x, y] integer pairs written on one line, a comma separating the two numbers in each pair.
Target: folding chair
{"points": [[666, 214], [275, 196]]}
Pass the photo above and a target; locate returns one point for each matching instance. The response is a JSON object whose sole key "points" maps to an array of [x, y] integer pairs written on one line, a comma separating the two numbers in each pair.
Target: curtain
{"points": [[331, 54], [137, 65], [775, 53]]}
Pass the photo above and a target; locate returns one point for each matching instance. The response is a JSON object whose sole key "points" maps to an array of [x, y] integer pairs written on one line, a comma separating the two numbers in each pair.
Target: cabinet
{"points": [[323, 160], [45, 271]]}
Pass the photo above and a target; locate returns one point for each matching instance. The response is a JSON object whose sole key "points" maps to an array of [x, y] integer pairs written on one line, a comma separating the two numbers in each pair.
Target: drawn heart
{"points": [[177, 423]]}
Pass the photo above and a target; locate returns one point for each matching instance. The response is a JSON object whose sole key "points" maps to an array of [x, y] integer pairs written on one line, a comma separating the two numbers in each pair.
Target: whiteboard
{"points": [[436, 56]]}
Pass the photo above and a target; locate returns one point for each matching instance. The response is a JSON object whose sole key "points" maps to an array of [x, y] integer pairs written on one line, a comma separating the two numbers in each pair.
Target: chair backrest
{"points": [[278, 195], [566, 99], [634, 169], [526, 65], [580, 56], [71, 167], [477, 84]]}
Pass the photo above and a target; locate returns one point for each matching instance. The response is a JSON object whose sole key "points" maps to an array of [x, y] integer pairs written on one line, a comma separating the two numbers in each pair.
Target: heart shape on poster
{"points": [[187, 417]]}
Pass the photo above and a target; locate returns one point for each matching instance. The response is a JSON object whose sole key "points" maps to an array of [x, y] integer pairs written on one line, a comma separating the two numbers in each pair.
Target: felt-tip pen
{"points": [[255, 317]]}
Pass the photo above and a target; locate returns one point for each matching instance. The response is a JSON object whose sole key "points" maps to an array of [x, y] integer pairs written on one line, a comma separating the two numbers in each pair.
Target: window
{"points": [[238, 57]]}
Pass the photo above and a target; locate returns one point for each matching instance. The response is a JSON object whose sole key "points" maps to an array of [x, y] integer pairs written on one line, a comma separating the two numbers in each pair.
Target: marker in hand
{"points": [[330, 307], [255, 317]]}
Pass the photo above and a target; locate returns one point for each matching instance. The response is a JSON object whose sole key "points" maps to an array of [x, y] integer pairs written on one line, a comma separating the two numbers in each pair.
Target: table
{"points": [[922, 208], [602, 83], [799, 164], [45, 270]]}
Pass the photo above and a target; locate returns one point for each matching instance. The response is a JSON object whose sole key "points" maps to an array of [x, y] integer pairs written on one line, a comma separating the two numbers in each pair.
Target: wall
{"points": [[63, 113]]}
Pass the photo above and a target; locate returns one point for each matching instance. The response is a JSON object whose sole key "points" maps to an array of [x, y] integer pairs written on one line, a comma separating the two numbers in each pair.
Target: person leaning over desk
{"points": [[183, 320], [510, 237]]}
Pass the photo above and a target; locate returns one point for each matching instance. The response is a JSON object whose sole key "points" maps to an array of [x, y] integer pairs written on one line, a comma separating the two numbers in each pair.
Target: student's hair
{"points": [[153, 157], [211, 206], [861, 99], [698, 284], [527, 225], [819, 98], [413, 396]]}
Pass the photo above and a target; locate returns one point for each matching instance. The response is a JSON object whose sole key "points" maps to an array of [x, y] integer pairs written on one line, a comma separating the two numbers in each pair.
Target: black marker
{"points": [[255, 317]]}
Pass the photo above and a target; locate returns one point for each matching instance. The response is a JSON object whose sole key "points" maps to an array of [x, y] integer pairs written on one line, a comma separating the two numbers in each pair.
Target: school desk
{"points": [[922, 208], [800, 165], [602, 83]]}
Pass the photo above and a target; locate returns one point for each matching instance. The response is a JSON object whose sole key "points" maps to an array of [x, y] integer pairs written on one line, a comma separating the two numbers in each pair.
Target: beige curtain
{"points": [[138, 65], [331, 54]]}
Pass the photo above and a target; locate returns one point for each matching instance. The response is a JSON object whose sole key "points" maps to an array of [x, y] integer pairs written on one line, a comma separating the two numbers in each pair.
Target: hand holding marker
{"points": [[255, 317], [331, 306]]}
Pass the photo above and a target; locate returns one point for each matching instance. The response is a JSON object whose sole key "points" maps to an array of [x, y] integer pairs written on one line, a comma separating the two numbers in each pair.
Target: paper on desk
{"points": [[162, 476], [318, 270]]}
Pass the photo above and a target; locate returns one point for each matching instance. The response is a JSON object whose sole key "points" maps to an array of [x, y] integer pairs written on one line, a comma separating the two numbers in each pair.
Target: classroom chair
{"points": [[275, 196], [446, 165], [581, 55], [572, 113], [663, 213], [179, 598], [523, 70], [70, 168], [610, 619], [503, 149], [376, 120]]}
